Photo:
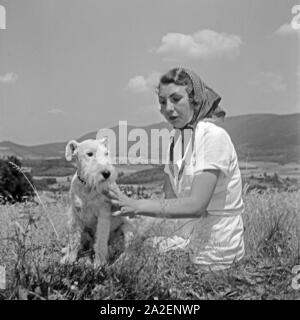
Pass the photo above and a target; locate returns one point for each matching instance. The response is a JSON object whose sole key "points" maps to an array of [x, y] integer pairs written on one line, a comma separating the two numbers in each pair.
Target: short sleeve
{"points": [[213, 149]]}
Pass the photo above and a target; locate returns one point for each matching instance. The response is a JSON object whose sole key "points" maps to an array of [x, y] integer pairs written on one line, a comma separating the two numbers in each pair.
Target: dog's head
{"points": [[93, 161]]}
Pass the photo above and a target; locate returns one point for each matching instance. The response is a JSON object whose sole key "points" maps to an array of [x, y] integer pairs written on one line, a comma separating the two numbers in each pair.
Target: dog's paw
{"points": [[98, 263], [86, 261]]}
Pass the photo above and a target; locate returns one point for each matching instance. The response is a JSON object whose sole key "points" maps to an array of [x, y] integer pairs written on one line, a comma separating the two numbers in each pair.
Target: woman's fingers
{"points": [[115, 202], [117, 213], [117, 198], [112, 196], [115, 193], [125, 211], [113, 187]]}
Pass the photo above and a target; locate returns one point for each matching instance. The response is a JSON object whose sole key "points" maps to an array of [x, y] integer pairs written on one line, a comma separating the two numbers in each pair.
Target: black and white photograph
{"points": [[149, 151]]}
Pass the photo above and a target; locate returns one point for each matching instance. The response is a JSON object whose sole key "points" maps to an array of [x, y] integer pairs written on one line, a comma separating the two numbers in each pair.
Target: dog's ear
{"points": [[71, 150]]}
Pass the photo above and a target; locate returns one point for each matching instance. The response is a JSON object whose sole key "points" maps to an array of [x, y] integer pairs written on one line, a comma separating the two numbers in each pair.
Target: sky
{"points": [[69, 67]]}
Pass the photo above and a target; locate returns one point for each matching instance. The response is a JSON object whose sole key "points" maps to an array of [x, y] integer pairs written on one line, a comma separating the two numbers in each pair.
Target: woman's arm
{"points": [[193, 206], [203, 187]]}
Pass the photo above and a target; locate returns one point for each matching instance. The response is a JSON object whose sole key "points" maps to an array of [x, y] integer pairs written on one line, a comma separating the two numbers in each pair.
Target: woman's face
{"points": [[175, 105]]}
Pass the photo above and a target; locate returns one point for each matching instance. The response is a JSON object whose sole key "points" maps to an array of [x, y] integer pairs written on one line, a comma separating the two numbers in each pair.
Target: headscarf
{"points": [[207, 100], [207, 106]]}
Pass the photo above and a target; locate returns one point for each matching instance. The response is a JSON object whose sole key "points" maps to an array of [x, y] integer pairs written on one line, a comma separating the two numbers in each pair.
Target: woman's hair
{"points": [[184, 77], [179, 77]]}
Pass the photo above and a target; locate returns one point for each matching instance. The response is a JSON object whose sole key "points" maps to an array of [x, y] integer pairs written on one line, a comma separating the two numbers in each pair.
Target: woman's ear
{"points": [[71, 150]]}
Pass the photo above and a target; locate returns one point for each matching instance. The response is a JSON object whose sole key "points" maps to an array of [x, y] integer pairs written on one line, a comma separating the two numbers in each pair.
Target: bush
{"points": [[14, 183]]}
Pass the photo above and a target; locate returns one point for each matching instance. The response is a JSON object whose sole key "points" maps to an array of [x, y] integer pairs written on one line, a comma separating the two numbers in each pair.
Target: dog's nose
{"points": [[106, 174]]}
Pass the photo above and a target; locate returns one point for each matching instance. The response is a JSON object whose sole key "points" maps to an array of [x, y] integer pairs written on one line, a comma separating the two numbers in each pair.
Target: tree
{"points": [[14, 186]]}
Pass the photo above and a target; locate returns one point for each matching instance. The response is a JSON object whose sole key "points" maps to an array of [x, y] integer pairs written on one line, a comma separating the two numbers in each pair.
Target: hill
{"points": [[44, 151], [266, 137]]}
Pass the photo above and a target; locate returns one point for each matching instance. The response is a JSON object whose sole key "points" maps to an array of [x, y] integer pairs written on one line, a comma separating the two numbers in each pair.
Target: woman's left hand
{"points": [[128, 207]]}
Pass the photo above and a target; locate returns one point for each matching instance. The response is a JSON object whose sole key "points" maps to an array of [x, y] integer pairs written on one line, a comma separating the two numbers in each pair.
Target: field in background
{"points": [[257, 168], [258, 174]]}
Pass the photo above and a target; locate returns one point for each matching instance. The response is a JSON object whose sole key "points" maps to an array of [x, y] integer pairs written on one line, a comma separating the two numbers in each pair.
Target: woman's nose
{"points": [[170, 106]]}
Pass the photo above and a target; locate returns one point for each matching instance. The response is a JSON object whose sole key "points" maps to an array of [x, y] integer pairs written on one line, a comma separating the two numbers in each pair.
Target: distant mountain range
{"points": [[266, 137]]}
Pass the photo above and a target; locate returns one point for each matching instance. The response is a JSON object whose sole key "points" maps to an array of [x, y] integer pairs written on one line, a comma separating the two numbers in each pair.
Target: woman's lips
{"points": [[173, 118]]}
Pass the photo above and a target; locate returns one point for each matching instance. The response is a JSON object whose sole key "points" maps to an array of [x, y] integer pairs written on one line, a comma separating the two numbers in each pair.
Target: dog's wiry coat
{"points": [[91, 221]]}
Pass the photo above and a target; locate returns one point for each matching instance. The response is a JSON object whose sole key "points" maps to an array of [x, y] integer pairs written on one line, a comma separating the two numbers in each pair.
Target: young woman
{"points": [[202, 177]]}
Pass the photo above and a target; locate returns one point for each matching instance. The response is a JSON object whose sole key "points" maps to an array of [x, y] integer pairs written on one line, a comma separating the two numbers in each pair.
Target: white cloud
{"points": [[269, 82], [140, 84], [8, 78], [55, 111], [203, 44], [286, 30]]}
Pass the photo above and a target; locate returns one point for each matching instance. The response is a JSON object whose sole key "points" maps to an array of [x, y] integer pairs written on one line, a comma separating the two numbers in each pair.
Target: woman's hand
{"points": [[128, 207]]}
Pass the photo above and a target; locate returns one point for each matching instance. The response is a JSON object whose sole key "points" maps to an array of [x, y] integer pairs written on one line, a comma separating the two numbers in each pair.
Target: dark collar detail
{"points": [[80, 179]]}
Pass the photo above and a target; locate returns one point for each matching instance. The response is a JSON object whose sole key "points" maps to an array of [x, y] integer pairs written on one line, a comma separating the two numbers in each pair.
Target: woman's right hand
{"points": [[127, 206]]}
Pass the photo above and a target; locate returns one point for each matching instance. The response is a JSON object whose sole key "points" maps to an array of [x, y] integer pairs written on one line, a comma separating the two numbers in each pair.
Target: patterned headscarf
{"points": [[207, 100]]}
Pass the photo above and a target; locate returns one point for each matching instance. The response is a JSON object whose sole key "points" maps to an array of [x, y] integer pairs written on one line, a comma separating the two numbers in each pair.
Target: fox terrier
{"points": [[91, 222]]}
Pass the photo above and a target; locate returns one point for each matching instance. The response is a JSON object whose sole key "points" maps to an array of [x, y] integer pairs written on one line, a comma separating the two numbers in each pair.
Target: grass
{"points": [[30, 249]]}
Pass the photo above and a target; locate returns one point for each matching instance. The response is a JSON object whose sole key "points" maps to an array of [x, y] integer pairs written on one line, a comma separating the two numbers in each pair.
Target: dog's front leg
{"points": [[101, 240], [74, 239]]}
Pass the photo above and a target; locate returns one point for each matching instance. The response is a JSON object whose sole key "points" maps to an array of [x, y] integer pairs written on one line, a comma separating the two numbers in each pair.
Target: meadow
{"points": [[32, 235]]}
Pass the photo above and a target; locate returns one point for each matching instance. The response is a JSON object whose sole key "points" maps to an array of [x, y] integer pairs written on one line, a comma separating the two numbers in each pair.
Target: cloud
{"points": [[269, 82], [140, 84], [286, 30], [203, 44], [8, 78], [55, 111]]}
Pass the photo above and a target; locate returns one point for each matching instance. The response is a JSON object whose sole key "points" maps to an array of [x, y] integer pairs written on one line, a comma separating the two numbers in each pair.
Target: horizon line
{"points": [[145, 125]]}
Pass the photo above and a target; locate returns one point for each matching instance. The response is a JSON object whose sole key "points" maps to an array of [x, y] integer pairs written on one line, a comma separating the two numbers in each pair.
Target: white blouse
{"points": [[216, 239]]}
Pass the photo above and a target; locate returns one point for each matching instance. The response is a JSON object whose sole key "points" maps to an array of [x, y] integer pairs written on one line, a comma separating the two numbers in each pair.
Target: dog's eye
{"points": [[106, 153], [90, 154]]}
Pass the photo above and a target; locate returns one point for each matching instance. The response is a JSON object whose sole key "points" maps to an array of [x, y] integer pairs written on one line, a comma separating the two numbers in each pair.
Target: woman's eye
{"points": [[176, 99], [90, 154]]}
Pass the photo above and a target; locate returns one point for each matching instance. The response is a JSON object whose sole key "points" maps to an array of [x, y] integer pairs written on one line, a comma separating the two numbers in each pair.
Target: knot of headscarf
{"points": [[207, 100]]}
